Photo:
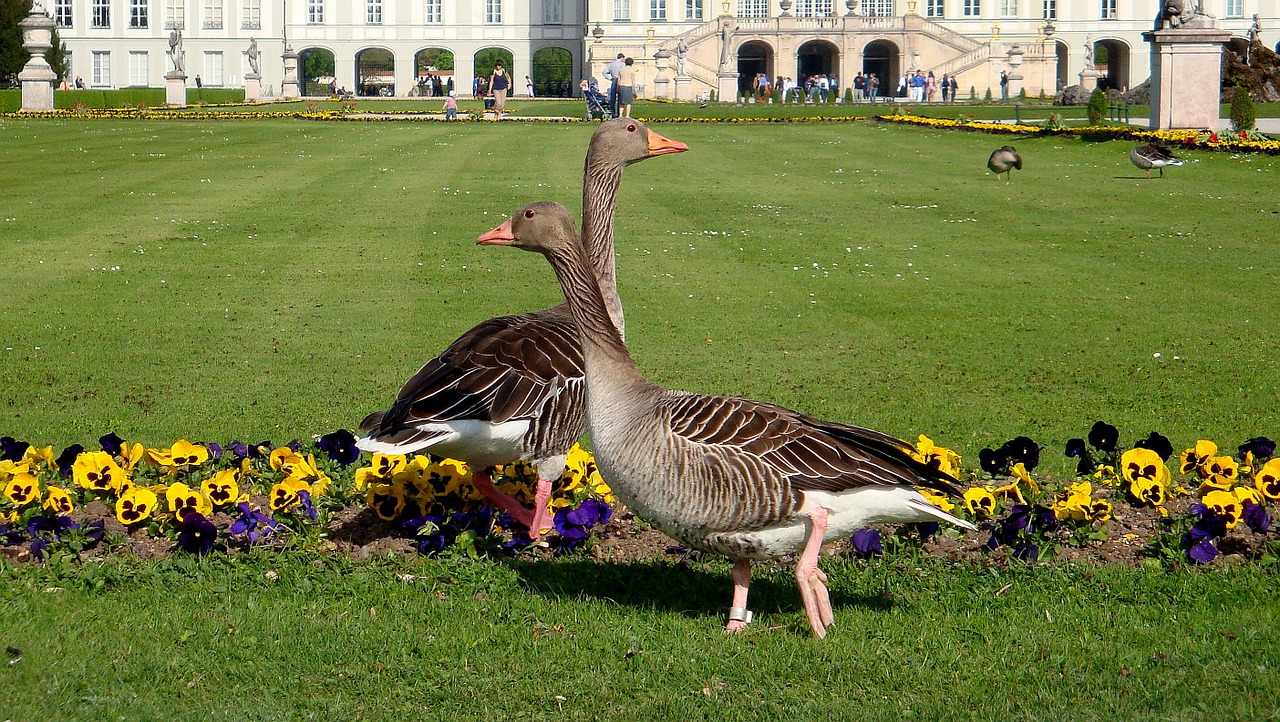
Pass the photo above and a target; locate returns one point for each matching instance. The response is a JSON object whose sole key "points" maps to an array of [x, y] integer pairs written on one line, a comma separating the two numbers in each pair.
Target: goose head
{"points": [[544, 227], [626, 140]]}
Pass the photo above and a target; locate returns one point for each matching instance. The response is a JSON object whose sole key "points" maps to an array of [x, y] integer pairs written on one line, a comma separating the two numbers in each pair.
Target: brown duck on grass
{"points": [[1004, 160], [512, 387], [741, 478], [1150, 156]]}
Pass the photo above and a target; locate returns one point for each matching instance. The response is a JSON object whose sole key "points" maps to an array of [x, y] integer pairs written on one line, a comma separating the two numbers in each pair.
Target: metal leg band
{"points": [[740, 614]]}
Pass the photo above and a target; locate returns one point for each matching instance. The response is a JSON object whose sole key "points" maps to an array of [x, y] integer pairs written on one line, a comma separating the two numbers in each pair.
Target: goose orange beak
{"points": [[659, 145], [500, 236]]}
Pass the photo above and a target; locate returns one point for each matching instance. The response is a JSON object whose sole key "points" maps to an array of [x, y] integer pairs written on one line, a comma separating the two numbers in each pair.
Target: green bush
{"points": [[1022, 94], [848, 95], [1242, 111], [988, 95], [973, 93], [1097, 106]]}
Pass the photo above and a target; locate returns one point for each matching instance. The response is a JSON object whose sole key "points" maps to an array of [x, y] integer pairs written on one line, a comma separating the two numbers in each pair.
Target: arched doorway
{"points": [[487, 58], [375, 72], [552, 73], [317, 71], [1113, 57], [433, 72], [882, 57], [754, 58], [1064, 67], [817, 57]]}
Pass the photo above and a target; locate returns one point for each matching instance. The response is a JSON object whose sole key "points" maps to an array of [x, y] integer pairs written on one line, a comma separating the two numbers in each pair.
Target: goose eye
{"points": [[528, 213], [631, 128]]}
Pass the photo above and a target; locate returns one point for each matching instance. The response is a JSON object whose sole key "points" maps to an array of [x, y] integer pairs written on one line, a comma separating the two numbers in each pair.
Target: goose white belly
{"points": [[481, 443]]}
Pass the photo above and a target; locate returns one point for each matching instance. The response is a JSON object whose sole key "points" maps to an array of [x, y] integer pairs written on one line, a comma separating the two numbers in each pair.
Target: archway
{"points": [[1113, 57], [1239, 46], [552, 72], [882, 57], [818, 57], [433, 72], [375, 72], [754, 58], [1064, 67], [317, 71], [487, 58]]}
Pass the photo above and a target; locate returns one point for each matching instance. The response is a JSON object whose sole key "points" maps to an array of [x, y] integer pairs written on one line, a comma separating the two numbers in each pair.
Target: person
{"points": [[917, 86], [528, 86], [1004, 85], [955, 85], [79, 83], [930, 86], [451, 106], [859, 87], [476, 91], [945, 86], [610, 74], [824, 86], [199, 83], [333, 87], [873, 87], [499, 84], [626, 87]]}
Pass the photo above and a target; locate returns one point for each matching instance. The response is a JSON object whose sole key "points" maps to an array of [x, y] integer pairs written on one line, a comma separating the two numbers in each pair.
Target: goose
{"points": [[1150, 156], [731, 476], [1003, 160], [511, 387]]}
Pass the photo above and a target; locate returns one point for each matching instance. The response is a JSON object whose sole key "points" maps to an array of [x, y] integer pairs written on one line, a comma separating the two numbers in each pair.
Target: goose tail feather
{"points": [[923, 505]]}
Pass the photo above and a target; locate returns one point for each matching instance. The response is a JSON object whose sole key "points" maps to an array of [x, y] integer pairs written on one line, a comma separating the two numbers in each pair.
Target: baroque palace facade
{"points": [[682, 48]]}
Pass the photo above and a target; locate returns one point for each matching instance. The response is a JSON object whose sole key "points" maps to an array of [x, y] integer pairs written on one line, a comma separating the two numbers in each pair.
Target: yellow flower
{"points": [[1248, 495], [131, 454], [979, 502], [182, 453], [386, 500], [1077, 505], [135, 505], [36, 456], [939, 457], [59, 501], [1267, 481], [384, 468], [1196, 458], [223, 487], [306, 471], [1225, 505], [96, 470], [184, 500], [602, 490], [1100, 510], [283, 497], [1021, 474], [1148, 491], [9, 469], [1219, 473], [1143, 464], [936, 498], [22, 489]]}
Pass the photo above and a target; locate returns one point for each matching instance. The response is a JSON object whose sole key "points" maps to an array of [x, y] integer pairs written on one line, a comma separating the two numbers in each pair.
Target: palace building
{"points": [[683, 49]]}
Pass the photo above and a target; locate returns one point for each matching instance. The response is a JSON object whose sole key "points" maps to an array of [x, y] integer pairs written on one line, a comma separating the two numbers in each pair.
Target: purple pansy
{"points": [[340, 446], [1077, 448], [1256, 517], [1104, 436], [11, 449], [867, 543], [1260, 446], [111, 443], [1202, 552], [67, 458], [255, 525], [1157, 443], [196, 534]]}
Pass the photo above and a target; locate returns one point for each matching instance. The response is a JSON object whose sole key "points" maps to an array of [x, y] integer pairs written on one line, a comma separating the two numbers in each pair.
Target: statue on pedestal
{"points": [[175, 51], [682, 49], [254, 57], [1177, 14]]}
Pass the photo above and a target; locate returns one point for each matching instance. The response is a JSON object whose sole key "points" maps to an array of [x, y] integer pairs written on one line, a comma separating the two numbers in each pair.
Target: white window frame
{"points": [[692, 9], [175, 14], [1008, 8], [552, 12], [492, 12], [62, 13], [101, 74], [214, 67], [1233, 9], [753, 8], [881, 8], [139, 68], [658, 10], [212, 15], [315, 12], [935, 9], [973, 8], [373, 12], [1049, 9], [1108, 10], [101, 14], [251, 15], [138, 12], [813, 8]]}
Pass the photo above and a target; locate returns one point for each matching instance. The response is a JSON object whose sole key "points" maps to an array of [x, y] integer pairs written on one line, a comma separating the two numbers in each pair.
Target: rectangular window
{"points": [[1235, 9], [657, 9], [493, 12], [212, 15], [174, 14], [813, 8], [1008, 8], [101, 68], [1050, 9], [693, 9], [973, 8], [315, 12], [753, 8], [138, 13], [139, 68], [1108, 9], [251, 15], [212, 68], [552, 12], [62, 13], [102, 14], [373, 12], [934, 9], [880, 8], [433, 13], [621, 9]]}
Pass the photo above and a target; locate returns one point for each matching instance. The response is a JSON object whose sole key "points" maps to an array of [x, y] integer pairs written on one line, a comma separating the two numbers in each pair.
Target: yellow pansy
{"points": [[1225, 505], [1149, 491], [223, 487], [382, 469], [283, 497], [135, 505], [36, 456], [936, 498], [939, 457], [1248, 495], [58, 501], [447, 475], [386, 500], [1022, 475], [602, 490], [22, 489], [979, 502], [182, 453], [1143, 464], [1195, 459], [97, 470], [1219, 473], [1267, 481], [1077, 504], [1100, 510], [9, 469], [130, 455], [184, 500]]}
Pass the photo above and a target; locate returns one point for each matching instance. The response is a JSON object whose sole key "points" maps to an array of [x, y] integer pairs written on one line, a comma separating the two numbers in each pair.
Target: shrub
{"points": [[1022, 94], [713, 96], [1242, 111], [1097, 106], [973, 94], [848, 95], [988, 95]]}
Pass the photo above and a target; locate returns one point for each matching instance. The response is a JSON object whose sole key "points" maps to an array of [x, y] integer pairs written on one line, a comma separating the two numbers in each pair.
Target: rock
{"points": [[1140, 95], [1071, 95]]}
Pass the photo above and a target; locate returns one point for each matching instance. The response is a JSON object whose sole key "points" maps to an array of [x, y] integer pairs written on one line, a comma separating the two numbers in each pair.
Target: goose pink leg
{"points": [[741, 580], [484, 484], [812, 582]]}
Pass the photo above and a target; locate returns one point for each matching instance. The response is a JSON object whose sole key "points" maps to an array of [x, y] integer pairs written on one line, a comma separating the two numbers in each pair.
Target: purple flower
{"points": [[196, 534], [340, 446], [67, 458], [304, 497], [1076, 447], [994, 462], [1157, 443], [1260, 446], [214, 448], [111, 443], [1104, 436], [93, 532], [867, 543], [1043, 518], [55, 524], [1027, 553], [1256, 517], [518, 542], [238, 448], [10, 534], [39, 547], [1022, 450], [11, 449], [1209, 526], [926, 529], [1202, 552], [254, 524]]}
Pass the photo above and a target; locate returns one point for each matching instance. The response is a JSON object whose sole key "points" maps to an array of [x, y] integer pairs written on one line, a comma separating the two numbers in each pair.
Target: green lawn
{"points": [[276, 279]]}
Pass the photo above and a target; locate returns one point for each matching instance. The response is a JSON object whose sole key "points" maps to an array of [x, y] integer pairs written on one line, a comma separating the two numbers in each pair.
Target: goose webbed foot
{"points": [[484, 484], [811, 580], [739, 617]]}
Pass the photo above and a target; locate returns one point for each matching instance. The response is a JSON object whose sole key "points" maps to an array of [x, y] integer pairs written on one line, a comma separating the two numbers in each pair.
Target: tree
{"points": [[56, 56], [317, 63], [488, 57], [12, 55], [1097, 106], [437, 58], [1242, 112]]}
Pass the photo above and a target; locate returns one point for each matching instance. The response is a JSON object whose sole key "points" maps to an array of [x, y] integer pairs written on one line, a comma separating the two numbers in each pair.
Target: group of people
{"points": [[920, 87], [621, 75]]}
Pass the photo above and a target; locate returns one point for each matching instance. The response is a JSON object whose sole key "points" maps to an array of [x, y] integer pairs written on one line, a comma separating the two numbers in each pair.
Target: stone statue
{"points": [[726, 35], [254, 57], [175, 51], [682, 49], [1255, 30], [1175, 14], [1088, 53]]}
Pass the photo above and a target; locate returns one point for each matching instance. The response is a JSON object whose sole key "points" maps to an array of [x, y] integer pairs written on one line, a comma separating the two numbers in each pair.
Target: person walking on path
{"points": [[499, 84], [610, 74], [1004, 85], [626, 87], [451, 106]]}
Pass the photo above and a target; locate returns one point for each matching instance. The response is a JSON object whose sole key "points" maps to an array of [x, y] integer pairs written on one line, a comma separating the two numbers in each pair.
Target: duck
{"points": [[1150, 155], [1003, 160], [746, 479], [511, 388]]}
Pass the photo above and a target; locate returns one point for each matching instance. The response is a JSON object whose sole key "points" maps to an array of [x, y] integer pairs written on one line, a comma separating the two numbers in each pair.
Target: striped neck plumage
{"points": [[599, 202]]}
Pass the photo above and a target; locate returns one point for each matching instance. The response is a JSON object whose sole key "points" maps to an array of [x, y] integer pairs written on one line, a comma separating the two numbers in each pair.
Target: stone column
{"points": [[290, 87], [37, 77], [1015, 71], [661, 83], [252, 87], [1185, 77]]}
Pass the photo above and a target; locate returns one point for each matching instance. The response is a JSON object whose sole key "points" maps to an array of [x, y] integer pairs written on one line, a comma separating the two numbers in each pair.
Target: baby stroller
{"points": [[597, 103]]}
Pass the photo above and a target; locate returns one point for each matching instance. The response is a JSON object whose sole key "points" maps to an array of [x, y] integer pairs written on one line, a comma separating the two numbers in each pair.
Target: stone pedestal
{"points": [[1015, 85], [727, 87], [252, 87], [684, 87], [37, 77], [290, 88], [1088, 79], [175, 88], [662, 87], [1186, 77]]}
